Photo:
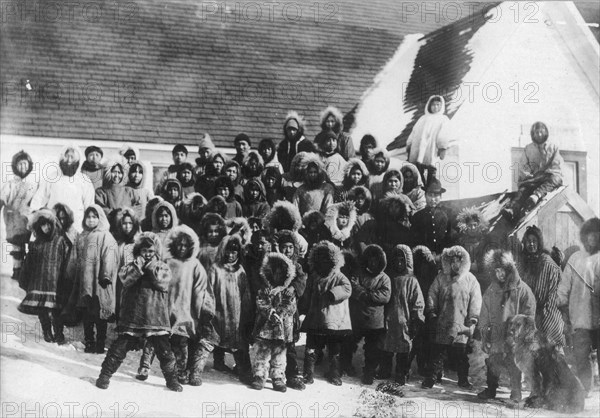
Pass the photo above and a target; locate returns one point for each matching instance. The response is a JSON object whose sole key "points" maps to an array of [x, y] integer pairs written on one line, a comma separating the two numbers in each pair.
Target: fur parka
{"points": [[345, 144], [341, 237]]}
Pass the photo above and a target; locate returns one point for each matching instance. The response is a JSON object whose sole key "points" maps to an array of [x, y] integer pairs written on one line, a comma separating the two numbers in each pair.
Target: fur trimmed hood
{"points": [[42, 215], [467, 215], [76, 165], [322, 176], [298, 166], [358, 191], [395, 208], [142, 239], [292, 115], [261, 188], [502, 259], [285, 235], [217, 204], [224, 243], [170, 182], [376, 153], [373, 251], [337, 114], [283, 215], [270, 263], [103, 224], [77, 152], [456, 251], [119, 224], [70, 215], [196, 197], [172, 212], [410, 167], [241, 227], [352, 164], [331, 216], [326, 254], [253, 154], [176, 234], [404, 250], [21, 155], [442, 110], [313, 216], [129, 147], [212, 219], [106, 181]]}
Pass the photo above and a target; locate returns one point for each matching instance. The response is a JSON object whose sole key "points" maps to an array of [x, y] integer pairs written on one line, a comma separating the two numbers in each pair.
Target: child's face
{"points": [[242, 147], [186, 176], [393, 184], [472, 228], [94, 157], [356, 176], [360, 201], [218, 164], [212, 234], [127, 224], [164, 218], [253, 192], [254, 226], [379, 163], [136, 175], [116, 175], [312, 173], [372, 264], [253, 164], [291, 131], [223, 191], [204, 154], [131, 158], [435, 106], [433, 199], [182, 247], [500, 274], [270, 182], [179, 157], [401, 262], [330, 122], [173, 192], [62, 217], [91, 219], [342, 221], [46, 228], [367, 153], [287, 249], [331, 144], [148, 253], [232, 173], [266, 152], [22, 166], [262, 245], [455, 264], [231, 255]]}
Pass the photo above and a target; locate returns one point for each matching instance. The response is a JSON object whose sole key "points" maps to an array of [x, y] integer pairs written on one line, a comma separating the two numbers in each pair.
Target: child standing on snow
{"points": [[43, 271], [145, 312]]}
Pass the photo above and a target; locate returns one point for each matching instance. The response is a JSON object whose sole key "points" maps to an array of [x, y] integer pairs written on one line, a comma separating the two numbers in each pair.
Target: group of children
{"points": [[228, 255]]}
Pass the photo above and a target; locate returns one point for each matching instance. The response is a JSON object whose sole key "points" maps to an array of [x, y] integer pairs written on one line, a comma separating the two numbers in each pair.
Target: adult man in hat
{"points": [[431, 225]]}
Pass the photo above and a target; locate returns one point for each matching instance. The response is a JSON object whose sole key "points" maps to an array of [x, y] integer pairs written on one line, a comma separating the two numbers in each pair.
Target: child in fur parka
{"points": [[252, 166], [274, 323], [314, 229], [327, 321], [506, 297], [43, 271], [365, 228], [332, 122], [211, 232], [272, 180], [15, 196], [403, 315], [453, 306], [340, 220], [146, 221], [284, 215], [371, 291], [145, 312], [316, 193], [224, 188], [355, 174], [188, 302]]}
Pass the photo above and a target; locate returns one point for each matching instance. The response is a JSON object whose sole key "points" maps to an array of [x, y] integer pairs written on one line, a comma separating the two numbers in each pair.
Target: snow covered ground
{"points": [[46, 380]]}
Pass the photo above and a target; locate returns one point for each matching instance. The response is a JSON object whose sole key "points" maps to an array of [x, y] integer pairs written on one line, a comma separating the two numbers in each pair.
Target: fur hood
{"points": [[206, 142], [271, 172], [132, 167], [331, 220], [103, 224], [373, 251], [376, 153], [261, 188], [352, 164], [195, 197], [106, 181], [358, 191], [172, 212], [77, 153], [298, 165], [176, 234], [283, 215], [325, 253], [408, 258], [270, 262], [241, 227], [22, 155], [212, 219], [36, 218], [406, 167], [395, 208], [313, 216], [170, 182], [337, 114], [322, 176], [422, 259], [467, 215], [143, 238], [301, 123], [502, 259], [253, 154], [129, 147], [70, 215], [285, 235], [217, 204], [221, 250], [136, 225], [392, 173], [442, 110], [455, 251]]}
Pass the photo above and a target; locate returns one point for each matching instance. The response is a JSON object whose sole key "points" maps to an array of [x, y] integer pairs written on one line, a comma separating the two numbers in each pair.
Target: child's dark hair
{"points": [[144, 241], [179, 148], [224, 181], [434, 99], [242, 137]]}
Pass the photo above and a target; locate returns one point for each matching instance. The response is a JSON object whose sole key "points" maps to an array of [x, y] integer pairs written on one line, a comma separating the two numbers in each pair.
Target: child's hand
{"points": [[289, 291]]}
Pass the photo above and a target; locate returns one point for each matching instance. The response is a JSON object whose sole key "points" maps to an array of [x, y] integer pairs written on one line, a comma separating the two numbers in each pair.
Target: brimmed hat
{"points": [[434, 186]]}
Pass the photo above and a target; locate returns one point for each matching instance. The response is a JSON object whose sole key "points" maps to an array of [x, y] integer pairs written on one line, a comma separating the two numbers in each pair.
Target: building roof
{"points": [[163, 72]]}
